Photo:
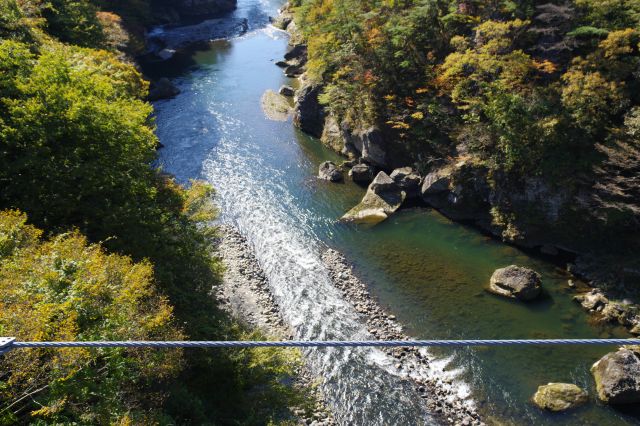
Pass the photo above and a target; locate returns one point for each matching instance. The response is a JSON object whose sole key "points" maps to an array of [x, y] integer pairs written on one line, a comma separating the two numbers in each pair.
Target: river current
{"points": [[428, 271]]}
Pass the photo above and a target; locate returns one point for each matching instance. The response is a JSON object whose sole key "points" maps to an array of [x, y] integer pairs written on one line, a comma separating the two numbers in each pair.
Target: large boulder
{"points": [[275, 107], [383, 198], [309, 114], [162, 89], [408, 180], [436, 182], [370, 145], [617, 377], [559, 396], [329, 171], [361, 173], [516, 282], [297, 52]]}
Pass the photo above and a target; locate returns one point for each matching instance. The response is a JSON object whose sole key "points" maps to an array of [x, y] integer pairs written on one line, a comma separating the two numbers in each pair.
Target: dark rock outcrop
{"points": [[309, 114], [617, 377], [361, 173], [287, 91], [162, 89], [329, 171], [516, 282], [369, 144], [408, 180], [559, 396]]}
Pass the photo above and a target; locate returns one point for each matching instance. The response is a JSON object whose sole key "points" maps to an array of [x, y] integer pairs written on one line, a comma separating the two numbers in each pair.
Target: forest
{"points": [[97, 244], [536, 95]]}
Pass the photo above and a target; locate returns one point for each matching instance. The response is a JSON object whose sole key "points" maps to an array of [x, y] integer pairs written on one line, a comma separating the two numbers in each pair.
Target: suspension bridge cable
{"points": [[9, 343]]}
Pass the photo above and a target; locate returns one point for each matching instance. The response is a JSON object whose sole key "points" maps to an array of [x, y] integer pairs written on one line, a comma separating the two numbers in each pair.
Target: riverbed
{"points": [[429, 272]]}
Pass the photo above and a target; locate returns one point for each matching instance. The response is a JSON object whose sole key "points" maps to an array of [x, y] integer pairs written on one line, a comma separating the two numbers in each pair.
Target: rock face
{"points": [[435, 183], [309, 114], [287, 91], [617, 376], [382, 199], [370, 145], [516, 282], [408, 180], [559, 396], [329, 171], [361, 173], [162, 89]]}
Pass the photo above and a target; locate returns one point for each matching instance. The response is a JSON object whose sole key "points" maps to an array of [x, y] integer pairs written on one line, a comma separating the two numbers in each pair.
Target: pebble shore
{"points": [[245, 294], [439, 393]]}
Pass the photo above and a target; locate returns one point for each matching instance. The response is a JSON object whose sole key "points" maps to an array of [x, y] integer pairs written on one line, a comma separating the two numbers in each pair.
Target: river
{"points": [[428, 271]]}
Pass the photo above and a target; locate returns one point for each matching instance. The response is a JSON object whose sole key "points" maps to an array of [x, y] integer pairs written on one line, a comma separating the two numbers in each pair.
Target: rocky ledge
{"points": [[245, 294], [438, 392]]}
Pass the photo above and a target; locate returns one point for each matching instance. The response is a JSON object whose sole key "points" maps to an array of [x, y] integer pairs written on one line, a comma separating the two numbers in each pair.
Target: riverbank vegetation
{"points": [[97, 244], [540, 95]]}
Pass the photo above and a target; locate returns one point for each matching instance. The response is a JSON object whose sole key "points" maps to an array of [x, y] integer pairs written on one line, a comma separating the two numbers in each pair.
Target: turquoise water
{"points": [[430, 272]]}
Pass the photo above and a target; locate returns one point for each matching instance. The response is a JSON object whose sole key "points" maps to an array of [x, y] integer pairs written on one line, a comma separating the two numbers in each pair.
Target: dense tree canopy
{"points": [[528, 88]]}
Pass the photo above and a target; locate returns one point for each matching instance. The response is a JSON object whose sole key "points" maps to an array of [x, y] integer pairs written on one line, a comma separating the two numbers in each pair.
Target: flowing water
{"points": [[428, 271]]}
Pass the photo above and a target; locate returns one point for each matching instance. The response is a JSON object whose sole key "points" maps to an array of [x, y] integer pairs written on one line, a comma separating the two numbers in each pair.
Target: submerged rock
{"points": [[329, 171], [409, 180], [559, 396], [516, 282], [162, 89], [361, 173], [275, 106], [617, 377], [594, 300], [383, 198]]}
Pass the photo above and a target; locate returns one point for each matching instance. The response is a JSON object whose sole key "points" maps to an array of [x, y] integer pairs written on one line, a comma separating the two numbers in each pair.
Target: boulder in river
{"points": [[617, 377], [383, 198], [516, 282], [287, 91], [162, 89], [329, 171], [559, 396], [361, 173], [409, 180]]}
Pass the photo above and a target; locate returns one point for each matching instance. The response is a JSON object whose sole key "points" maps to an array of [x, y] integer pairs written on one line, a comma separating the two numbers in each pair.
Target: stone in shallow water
{"points": [[617, 376], [275, 106], [516, 282], [329, 171], [383, 198], [559, 396]]}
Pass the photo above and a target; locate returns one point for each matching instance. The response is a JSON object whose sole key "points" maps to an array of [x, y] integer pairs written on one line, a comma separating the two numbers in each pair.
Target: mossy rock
{"points": [[276, 107], [559, 397]]}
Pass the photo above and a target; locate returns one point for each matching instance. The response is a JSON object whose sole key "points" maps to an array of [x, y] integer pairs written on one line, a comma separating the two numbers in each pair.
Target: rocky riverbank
{"points": [[439, 392], [245, 294], [539, 219]]}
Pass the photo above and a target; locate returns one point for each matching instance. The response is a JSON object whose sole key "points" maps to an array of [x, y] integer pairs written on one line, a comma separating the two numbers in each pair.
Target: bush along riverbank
{"points": [[488, 114], [95, 243]]}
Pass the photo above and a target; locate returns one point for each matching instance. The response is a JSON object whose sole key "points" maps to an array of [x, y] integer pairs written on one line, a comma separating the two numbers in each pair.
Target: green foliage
{"points": [[67, 289]]}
